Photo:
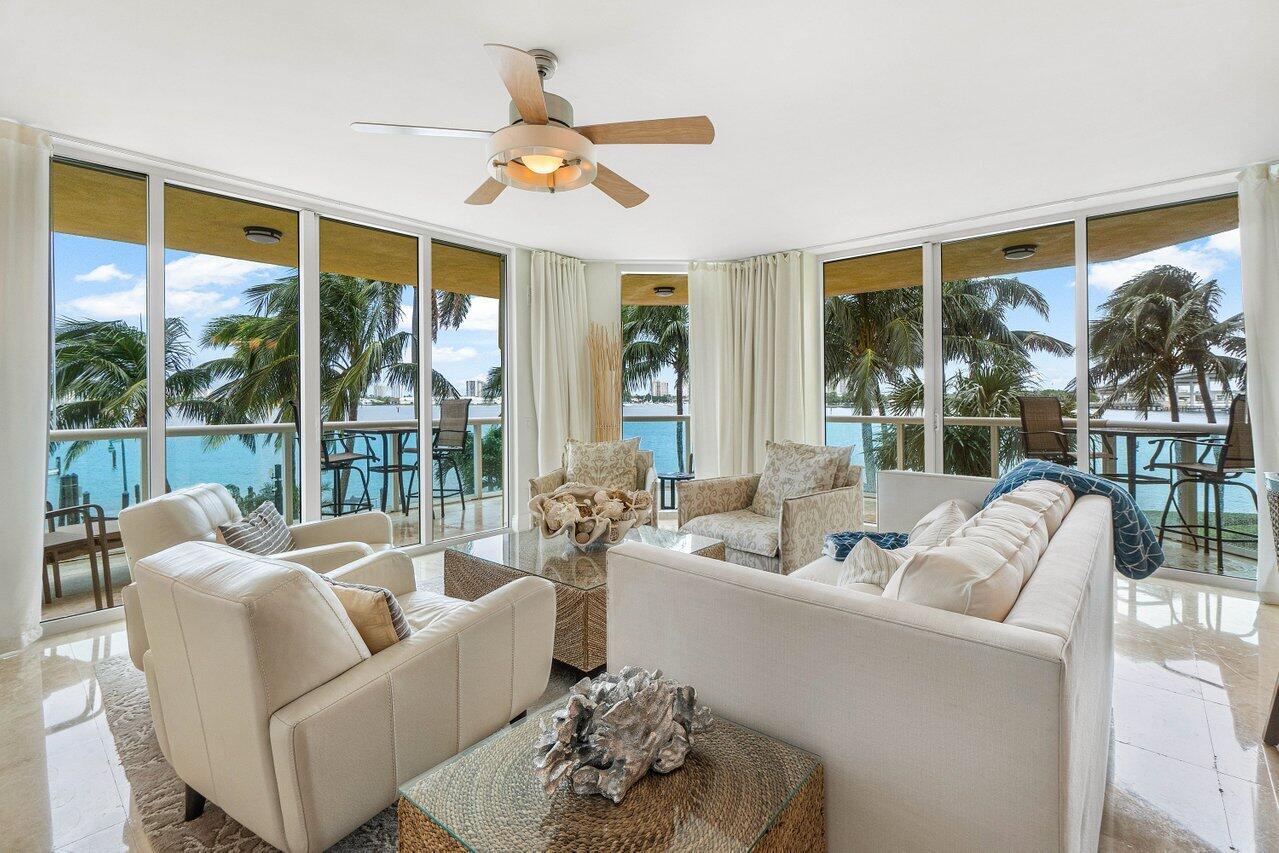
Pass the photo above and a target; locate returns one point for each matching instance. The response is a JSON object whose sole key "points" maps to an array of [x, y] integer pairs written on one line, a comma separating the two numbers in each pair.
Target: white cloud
{"points": [[195, 271], [1205, 262], [452, 355], [118, 305], [104, 273], [1226, 242], [483, 315]]}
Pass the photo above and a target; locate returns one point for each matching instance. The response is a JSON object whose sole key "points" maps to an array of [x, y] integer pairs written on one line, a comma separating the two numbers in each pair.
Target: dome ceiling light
{"points": [[664, 291], [1019, 252], [540, 150], [262, 234]]}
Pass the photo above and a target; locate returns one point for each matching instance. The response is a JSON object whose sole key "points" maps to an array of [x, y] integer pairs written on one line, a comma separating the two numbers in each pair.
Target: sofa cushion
{"points": [[870, 563], [945, 519], [1051, 499], [740, 529], [262, 532], [791, 470], [374, 612], [609, 464], [423, 608]]}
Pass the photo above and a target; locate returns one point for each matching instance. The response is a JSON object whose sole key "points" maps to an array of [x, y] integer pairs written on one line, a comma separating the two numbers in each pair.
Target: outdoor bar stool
{"points": [[1220, 464], [448, 442], [67, 542], [343, 464], [1043, 431]]}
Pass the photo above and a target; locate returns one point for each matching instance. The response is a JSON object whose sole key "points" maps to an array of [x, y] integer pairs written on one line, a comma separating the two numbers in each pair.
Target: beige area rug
{"points": [[158, 792]]}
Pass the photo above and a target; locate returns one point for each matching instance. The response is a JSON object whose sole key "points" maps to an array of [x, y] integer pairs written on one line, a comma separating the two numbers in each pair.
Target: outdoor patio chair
{"points": [[64, 542], [1219, 464], [1043, 431], [448, 441], [342, 462]]}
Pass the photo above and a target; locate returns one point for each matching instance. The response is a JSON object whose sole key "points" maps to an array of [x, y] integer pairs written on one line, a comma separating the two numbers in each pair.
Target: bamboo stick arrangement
{"points": [[604, 347]]}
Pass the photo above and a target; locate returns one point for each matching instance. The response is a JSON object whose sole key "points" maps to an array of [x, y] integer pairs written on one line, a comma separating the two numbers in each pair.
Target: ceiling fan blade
{"points": [[518, 70], [418, 130], [690, 130], [486, 192], [618, 188]]}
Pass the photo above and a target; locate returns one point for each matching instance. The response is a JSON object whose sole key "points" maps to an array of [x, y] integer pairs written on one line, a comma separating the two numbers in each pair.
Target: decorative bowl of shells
{"points": [[589, 516]]}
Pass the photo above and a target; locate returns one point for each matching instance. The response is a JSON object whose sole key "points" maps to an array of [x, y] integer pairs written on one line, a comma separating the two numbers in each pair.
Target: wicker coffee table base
{"points": [[581, 620], [799, 826]]}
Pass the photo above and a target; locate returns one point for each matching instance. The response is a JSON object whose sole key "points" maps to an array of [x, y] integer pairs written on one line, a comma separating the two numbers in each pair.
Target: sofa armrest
{"points": [[546, 483], [808, 518], [325, 558], [135, 628], [714, 495], [373, 528], [341, 750], [391, 570]]}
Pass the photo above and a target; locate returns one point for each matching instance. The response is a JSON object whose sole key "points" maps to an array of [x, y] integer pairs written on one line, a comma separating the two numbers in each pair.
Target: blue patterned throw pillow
{"points": [[839, 545]]}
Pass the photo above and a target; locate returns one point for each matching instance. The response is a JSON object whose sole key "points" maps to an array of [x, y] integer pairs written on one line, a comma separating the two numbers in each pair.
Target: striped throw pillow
{"points": [[869, 563], [262, 532], [374, 612]]}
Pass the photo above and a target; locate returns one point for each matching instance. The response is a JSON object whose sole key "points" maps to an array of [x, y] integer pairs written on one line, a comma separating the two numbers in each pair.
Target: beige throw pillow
{"points": [[945, 519], [607, 464], [791, 470], [869, 563], [961, 576], [846, 474], [374, 612]]}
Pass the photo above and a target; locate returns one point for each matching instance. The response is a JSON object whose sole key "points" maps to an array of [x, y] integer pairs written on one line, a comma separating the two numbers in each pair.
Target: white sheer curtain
{"points": [[755, 364], [561, 375], [24, 375], [1259, 265]]}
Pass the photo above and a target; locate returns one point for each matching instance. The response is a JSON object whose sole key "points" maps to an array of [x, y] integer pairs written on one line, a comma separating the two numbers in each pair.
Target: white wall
{"points": [[603, 294], [521, 393]]}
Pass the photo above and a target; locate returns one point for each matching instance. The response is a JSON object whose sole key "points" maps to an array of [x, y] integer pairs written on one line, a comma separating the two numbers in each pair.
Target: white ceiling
{"points": [[834, 119]]}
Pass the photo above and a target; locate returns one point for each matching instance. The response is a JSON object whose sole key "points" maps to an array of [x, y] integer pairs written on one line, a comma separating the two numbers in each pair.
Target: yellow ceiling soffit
{"points": [[637, 289]]}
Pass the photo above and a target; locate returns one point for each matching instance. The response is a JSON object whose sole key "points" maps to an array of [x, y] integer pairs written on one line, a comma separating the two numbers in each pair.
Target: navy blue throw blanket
{"points": [[838, 545], [1137, 549]]}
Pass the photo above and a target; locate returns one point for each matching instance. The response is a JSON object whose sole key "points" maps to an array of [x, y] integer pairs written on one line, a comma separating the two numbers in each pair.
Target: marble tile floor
{"points": [[1194, 670]]}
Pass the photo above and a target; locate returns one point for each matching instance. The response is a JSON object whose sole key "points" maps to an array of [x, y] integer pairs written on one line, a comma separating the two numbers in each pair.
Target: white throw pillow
{"points": [[869, 563], [1051, 499], [965, 576], [945, 519]]}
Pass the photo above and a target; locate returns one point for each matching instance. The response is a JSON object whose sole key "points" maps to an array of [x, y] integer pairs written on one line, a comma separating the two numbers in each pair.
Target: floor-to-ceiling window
{"points": [[655, 371], [1166, 361], [98, 375], [873, 315], [369, 314], [1008, 330], [232, 338], [468, 446]]}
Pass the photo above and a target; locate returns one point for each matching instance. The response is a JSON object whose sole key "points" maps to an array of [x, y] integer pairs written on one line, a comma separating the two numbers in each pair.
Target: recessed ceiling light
{"points": [[664, 291], [1019, 252], [262, 234]]}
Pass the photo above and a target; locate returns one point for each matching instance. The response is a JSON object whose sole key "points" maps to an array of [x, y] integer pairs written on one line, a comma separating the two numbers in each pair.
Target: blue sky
{"points": [[105, 280]]}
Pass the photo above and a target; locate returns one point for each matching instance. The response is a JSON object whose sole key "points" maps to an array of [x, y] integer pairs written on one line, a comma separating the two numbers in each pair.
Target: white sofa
{"points": [[267, 702], [938, 731]]}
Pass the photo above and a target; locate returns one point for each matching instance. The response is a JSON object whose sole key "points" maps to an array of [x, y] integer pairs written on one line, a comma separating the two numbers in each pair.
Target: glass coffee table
{"points": [[738, 790], [476, 568]]}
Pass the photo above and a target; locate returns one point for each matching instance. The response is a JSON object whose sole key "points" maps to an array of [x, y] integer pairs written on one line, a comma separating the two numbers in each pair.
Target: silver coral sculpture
{"points": [[614, 729]]}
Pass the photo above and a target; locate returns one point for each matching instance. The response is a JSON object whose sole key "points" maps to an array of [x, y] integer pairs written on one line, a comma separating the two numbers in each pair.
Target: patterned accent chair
{"points": [[726, 508], [645, 476]]}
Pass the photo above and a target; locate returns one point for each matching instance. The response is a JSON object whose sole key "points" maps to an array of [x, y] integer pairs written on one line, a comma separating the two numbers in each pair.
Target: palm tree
{"points": [[988, 363], [361, 342], [1154, 326], [100, 375], [655, 337]]}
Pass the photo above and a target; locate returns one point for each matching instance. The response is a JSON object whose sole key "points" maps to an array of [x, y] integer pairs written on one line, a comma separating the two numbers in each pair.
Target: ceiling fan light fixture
{"points": [[665, 291], [1019, 252], [543, 164], [262, 234]]}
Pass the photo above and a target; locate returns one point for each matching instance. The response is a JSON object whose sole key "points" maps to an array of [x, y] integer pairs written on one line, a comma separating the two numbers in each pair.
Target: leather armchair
{"points": [[267, 702], [193, 514]]}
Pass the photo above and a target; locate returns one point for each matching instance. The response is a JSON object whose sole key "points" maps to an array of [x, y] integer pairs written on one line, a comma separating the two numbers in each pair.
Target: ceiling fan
{"points": [[541, 150]]}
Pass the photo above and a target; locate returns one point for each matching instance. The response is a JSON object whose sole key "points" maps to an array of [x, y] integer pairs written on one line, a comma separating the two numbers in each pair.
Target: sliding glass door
{"points": [[655, 369], [1008, 331]]}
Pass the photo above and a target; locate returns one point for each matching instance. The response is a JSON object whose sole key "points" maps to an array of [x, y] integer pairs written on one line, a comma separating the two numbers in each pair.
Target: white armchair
{"points": [[267, 702], [193, 514]]}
